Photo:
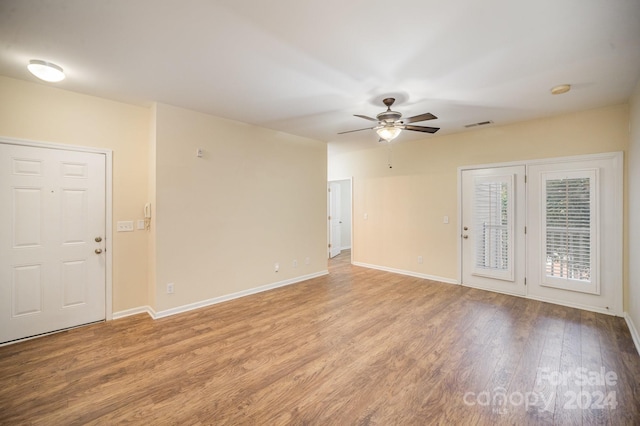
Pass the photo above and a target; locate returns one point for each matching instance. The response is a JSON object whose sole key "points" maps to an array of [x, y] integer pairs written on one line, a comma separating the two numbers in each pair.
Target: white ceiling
{"points": [[306, 66]]}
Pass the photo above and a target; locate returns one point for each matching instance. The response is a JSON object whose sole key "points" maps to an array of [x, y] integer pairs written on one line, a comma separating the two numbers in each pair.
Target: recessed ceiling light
{"points": [[560, 89], [46, 70]]}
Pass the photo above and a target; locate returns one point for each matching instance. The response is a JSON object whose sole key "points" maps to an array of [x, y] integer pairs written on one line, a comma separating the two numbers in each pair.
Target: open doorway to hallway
{"points": [[339, 218]]}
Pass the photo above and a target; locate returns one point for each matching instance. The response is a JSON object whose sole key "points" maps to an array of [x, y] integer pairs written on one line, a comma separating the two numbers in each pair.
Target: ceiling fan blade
{"points": [[351, 131], [422, 129], [365, 117], [421, 117]]}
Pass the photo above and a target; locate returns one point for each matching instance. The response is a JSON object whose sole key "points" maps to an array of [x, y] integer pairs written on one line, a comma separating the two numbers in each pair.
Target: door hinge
{"points": [[329, 189], [525, 178], [525, 280], [329, 217], [525, 229], [329, 245]]}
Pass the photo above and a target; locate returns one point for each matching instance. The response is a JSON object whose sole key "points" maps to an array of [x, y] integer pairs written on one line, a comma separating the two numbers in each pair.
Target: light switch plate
{"points": [[124, 226]]}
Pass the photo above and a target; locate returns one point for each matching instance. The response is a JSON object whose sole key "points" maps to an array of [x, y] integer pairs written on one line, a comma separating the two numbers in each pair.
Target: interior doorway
{"points": [[339, 217]]}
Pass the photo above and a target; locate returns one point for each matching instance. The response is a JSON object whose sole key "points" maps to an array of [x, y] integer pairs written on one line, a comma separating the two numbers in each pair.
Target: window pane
{"points": [[568, 231], [492, 225]]}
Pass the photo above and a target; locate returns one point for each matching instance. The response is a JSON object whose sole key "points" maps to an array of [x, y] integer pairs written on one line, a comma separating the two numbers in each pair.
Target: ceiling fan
{"points": [[390, 123]]}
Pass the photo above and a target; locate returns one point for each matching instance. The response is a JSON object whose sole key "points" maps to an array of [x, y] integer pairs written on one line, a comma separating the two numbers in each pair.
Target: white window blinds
{"points": [[493, 227], [570, 238]]}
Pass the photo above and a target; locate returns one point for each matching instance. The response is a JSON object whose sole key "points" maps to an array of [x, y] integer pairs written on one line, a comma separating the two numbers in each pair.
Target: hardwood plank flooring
{"points": [[358, 346]]}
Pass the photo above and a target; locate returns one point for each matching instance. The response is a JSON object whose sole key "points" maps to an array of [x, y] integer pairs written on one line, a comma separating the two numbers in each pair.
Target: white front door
{"points": [[335, 228], [52, 232], [493, 233]]}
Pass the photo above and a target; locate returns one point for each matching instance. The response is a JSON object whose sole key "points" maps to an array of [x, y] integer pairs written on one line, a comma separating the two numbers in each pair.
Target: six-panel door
{"points": [[52, 240]]}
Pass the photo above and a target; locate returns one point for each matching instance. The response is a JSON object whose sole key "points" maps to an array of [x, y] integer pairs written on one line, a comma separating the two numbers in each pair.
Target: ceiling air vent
{"points": [[482, 123]]}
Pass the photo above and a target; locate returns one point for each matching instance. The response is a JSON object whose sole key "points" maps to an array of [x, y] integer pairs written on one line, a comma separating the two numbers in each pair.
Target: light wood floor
{"points": [[356, 347]]}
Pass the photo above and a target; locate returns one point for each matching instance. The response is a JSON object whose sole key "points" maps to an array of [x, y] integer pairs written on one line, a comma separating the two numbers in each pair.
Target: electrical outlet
{"points": [[170, 288], [295, 263], [307, 260], [276, 267], [420, 260]]}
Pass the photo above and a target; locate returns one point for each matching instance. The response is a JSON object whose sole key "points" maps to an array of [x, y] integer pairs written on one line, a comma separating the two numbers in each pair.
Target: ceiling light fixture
{"points": [[46, 70], [388, 132], [560, 89]]}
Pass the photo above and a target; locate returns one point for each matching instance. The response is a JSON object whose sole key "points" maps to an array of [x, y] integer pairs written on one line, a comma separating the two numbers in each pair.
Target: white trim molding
{"points": [[408, 273], [134, 311], [213, 301], [634, 331], [571, 305]]}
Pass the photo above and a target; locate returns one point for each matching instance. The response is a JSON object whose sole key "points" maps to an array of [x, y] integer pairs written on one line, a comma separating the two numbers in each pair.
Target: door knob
{"points": [[466, 228], [98, 239], [465, 236], [98, 251]]}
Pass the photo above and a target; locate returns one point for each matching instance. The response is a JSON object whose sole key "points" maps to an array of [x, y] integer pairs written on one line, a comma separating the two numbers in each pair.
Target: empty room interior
{"points": [[320, 212]]}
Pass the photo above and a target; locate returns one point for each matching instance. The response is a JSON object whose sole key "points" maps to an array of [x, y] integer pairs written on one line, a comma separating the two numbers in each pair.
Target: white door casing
{"points": [[335, 229], [52, 212], [492, 235]]}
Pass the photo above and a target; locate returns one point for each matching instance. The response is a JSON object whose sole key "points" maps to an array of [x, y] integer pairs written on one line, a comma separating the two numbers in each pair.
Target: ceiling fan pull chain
{"points": [[389, 160]]}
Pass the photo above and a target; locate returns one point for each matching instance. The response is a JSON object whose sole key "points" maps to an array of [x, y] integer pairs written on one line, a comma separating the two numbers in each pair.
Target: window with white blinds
{"points": [[493, 227], [570, 237]]}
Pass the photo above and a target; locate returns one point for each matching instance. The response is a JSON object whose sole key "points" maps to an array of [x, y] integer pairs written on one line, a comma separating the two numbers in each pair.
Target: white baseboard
{"points": [[634, 331], [191, 306], [574, 305], [345, 248], [408, 273], [134, 311]]}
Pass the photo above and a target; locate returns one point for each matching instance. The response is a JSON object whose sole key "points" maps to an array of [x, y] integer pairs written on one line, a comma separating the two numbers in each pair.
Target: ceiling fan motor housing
{"points": [[389, 116]]}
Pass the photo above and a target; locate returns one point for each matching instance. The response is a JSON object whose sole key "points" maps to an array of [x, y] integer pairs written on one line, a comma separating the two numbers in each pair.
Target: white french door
{"points": [[574, 249], [493, 217], [554, 235], [52, 240]]}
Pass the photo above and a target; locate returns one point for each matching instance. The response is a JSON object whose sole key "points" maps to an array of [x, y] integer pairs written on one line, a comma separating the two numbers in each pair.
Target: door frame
{"points": [[350, 179], [618, 176], [108, 153]]}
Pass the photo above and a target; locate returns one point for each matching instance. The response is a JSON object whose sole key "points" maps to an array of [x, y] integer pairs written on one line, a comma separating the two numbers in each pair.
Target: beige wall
{"points": [[633, 173], [43, 113], [406, 204], [221, 222]]}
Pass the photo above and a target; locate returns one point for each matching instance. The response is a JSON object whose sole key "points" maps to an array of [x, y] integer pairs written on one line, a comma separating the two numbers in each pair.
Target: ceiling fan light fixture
{"points": [[46, 71], [388, 133]]}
